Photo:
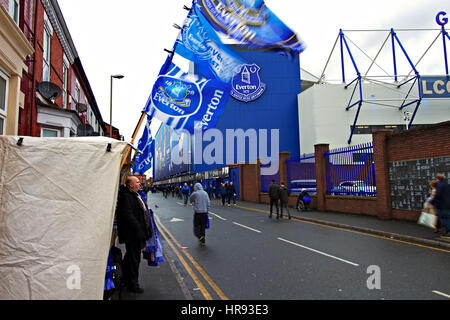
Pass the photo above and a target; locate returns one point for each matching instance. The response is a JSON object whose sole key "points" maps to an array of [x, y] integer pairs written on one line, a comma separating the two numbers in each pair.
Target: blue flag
{"points": [[249, 23], [143, 162], [199, 43], [185, 101]]}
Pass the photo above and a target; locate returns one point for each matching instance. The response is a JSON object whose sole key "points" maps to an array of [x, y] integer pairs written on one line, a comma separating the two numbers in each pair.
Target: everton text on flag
{"points": [[185, 101], [249, 23]]}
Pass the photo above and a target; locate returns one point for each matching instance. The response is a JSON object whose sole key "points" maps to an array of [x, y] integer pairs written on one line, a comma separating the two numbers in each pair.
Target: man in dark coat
{"points": [[284, 199], [441, 201], [133, 230], [231, 193], [274, 195]]}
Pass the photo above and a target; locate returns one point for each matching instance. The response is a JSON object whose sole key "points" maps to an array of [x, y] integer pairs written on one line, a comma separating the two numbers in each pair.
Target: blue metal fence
{"points": [[301, 173], [351, 171], [266, 180]]}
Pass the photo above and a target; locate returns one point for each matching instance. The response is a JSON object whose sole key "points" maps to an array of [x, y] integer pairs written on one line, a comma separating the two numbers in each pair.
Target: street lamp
{"points": [[116, 76]]}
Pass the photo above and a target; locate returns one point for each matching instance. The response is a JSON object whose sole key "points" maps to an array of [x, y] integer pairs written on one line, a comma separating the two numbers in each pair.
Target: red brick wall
{"points": [[420, 143], [250, 182]]}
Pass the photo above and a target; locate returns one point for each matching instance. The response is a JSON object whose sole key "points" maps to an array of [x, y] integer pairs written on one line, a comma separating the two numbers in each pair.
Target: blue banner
{"points": [[198, 42], [249, 23], [435, 87], [185, 101], [143, 162]]}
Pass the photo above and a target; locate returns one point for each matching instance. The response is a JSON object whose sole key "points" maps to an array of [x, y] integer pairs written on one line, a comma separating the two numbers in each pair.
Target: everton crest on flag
{"points": [[249, 23], [185, 101], [247, 85]]}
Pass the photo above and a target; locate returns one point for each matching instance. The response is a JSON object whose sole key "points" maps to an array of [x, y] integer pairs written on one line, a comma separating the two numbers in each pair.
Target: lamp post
{"points": [[117, 76]]}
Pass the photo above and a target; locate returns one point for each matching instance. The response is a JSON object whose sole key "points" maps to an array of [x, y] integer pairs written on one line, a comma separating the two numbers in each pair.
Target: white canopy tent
{"points": [[57, 202]]}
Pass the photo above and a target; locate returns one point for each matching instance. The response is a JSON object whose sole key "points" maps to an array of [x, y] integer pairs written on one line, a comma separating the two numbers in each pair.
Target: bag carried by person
{"points": [[306, 200], [428, 220]]}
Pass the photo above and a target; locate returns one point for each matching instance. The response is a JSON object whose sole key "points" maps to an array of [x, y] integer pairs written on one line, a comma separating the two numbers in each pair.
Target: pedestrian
{"points": [[284, 199], [231, 193], [274, 195], [209, 190], [441, 201], [201, 203], [303, 198], [185, 191], [430, 208], [132, 230], [223, 193], [214, 191]]}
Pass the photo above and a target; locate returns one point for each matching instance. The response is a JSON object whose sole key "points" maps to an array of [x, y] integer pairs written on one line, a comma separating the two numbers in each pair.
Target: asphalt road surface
{"points": [[251, 257]]}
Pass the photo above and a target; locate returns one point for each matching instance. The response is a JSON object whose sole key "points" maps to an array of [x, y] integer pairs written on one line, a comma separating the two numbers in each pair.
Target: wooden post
{"points": [[143, 114]]}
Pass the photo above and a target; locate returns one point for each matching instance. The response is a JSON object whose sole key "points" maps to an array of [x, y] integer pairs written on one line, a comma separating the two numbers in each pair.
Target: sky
{"points": [[129, 37]]}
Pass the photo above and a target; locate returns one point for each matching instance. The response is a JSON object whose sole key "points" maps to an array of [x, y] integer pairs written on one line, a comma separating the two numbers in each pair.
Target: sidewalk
{"points": [[394, 229]]}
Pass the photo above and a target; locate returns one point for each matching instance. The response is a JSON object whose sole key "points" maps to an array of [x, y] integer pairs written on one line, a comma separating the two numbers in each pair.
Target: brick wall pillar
{"points": [[321, 179], [380, 155], [250, 181], [283, 168]]}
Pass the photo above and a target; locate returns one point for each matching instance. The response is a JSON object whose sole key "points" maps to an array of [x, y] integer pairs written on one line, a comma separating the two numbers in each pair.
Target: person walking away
{"points": [[429, 208], [441, 201], [231, 193], [274, 195], [185, 191], [223, 193], [284, 199], [132, 230], [201, 203]]}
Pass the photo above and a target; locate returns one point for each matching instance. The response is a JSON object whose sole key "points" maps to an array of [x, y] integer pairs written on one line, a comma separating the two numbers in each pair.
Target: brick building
{"points": [[49, 94]]}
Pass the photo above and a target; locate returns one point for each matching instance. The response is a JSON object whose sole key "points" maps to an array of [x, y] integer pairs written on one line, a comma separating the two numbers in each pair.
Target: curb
{"points": [[380, 233], [385, 234]]}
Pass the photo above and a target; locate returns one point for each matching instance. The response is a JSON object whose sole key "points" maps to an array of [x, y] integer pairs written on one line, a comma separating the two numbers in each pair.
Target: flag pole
{"points": [[143, 114]]}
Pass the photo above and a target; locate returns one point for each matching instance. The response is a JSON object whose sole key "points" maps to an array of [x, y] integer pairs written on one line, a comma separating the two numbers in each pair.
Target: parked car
{"points": [[296, 186], [358, 187]]}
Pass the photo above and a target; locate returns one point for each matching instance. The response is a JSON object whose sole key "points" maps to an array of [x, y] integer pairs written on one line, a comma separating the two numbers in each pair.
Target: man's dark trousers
{"points": [[272, 202], [130, 264], [200, 219]]}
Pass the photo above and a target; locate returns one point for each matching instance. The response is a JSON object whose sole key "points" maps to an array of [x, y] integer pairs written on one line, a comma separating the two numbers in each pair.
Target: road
{"points": [[251, 257]]}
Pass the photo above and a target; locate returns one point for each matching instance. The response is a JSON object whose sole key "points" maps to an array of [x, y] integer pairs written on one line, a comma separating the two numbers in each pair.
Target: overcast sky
{"points": [[129, 37]]}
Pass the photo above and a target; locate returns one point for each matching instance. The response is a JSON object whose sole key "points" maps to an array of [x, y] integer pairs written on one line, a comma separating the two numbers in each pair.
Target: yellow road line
{"points": [[352, 231], [196, 265], [188, 269]]}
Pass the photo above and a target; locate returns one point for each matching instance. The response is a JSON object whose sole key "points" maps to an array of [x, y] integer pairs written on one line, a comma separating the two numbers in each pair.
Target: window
{"points": [[65, 79], [48, 31], [3, 101], [14, 10], [49, 133]]}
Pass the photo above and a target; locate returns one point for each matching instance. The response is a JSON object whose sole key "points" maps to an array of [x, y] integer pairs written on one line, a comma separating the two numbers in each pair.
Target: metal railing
{"points": [[266, 180], [351, 171], [301, 173]]}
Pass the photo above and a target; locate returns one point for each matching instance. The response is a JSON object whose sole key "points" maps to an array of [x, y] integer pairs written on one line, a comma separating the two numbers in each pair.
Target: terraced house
{"points": [[44, 90]]}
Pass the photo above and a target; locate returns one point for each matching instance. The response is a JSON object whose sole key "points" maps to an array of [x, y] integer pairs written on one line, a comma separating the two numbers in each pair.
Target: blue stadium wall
{"points": [[277, 108]]}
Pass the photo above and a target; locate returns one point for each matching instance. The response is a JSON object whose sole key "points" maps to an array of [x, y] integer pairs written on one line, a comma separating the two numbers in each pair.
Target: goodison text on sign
{"points": [[435, 87]]}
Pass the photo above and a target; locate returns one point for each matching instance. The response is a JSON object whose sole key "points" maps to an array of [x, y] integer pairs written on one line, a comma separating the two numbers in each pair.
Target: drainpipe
{"points": [[33, 84]]}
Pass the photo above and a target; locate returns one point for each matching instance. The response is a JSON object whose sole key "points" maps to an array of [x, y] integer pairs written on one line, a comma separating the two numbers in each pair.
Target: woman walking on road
{"points": [[201, 203]]}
